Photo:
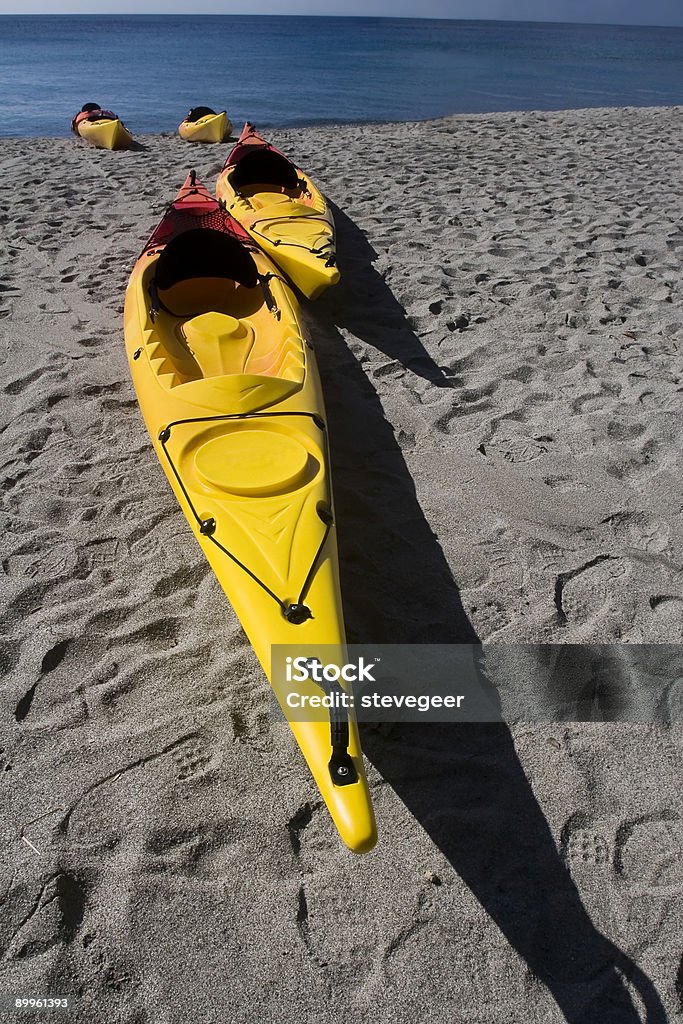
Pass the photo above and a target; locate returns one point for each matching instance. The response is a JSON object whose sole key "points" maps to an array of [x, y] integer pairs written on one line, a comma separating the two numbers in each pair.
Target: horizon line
{"points": [[350, 17]]}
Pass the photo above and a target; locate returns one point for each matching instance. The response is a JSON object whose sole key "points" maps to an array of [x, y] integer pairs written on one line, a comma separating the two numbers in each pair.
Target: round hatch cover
{"points": [[252, 462]]}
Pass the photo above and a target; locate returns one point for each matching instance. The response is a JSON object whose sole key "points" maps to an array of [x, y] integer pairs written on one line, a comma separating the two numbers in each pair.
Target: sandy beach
{"points": [[502, 370]]}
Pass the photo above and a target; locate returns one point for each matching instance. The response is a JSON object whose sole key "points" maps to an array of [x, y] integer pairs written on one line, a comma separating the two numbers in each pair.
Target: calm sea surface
{"points": [[283, 70]]}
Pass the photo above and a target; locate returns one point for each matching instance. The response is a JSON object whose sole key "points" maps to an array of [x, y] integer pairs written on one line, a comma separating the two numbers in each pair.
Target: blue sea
{"points": [[151, 69]]}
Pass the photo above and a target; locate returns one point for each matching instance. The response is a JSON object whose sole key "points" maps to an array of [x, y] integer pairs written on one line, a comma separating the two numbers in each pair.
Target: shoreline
{"points": [[461, 115]]}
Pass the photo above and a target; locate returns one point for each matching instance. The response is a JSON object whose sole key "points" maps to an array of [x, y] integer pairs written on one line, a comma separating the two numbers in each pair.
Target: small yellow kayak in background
{"points": [[110, 133], [102, 128], [203, 124], [282, 210], [228, 386]]}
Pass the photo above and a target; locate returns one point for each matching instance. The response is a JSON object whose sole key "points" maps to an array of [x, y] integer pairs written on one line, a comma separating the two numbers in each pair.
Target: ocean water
{"points": [[151, 69]]}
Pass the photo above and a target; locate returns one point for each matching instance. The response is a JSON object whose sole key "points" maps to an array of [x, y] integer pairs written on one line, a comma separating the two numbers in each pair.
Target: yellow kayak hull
{"points": [[232, 401], [210, 128], [108, 133]]}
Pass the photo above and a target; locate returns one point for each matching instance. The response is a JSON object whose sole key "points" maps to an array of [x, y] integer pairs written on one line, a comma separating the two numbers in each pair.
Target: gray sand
{"points": [[502, 368]]}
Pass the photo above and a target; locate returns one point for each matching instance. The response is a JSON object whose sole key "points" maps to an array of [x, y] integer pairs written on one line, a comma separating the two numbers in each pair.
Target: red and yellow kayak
{"points": [[101, 128], [228, 386]]}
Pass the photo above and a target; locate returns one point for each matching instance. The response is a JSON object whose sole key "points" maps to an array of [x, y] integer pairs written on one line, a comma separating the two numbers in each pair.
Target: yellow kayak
{"points": [[283, 211], [203, 124], [228, 387], [101, 128]]}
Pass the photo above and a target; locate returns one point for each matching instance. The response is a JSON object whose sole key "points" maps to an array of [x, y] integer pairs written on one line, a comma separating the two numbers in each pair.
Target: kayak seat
{"points": [[186, 299], [260, 198], [213, 319], [223, 345], [219, 344]]}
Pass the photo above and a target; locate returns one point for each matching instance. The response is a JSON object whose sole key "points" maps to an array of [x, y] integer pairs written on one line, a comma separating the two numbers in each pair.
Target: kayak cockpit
{"points": [[215, 321], [197, 113], [267, 168], [265, 178]]}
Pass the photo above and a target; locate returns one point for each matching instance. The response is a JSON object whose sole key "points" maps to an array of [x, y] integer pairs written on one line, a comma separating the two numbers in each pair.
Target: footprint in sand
{"points": [[583, 847], [109, 812], [158, 546], [15, 387], [55, 920], [488, 616], [195, 758], [138, 510], [518, 450], [56, 699], [116, 978], [53, 562], [131, 479], [639, 530], [101, 553], [253, 727], [648, 854], [583, 593], [100, 820], [195, 853]]}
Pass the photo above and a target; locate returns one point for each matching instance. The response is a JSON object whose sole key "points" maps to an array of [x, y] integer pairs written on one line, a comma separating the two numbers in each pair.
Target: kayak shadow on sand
{"points": [[466, 787], [391, 560], [364, 305], [464, 784]]}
